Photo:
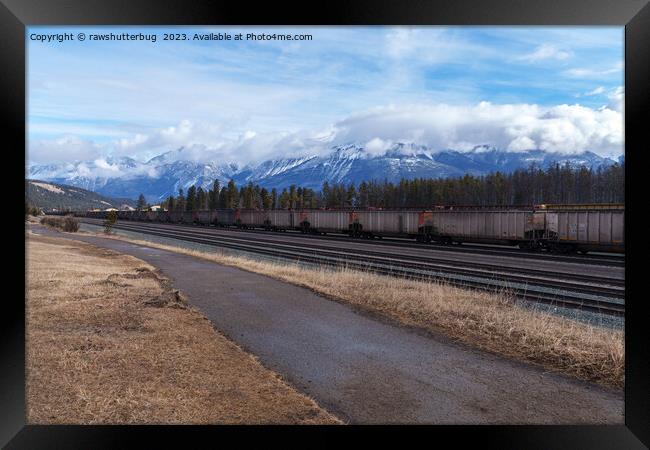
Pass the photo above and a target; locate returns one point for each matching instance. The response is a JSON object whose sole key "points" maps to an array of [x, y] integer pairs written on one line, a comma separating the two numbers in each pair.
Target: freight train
{"points": [[556, 228]]}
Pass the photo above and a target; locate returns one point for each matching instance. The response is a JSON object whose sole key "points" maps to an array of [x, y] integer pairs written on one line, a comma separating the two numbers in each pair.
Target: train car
{"points": [[584, 230], [507, 227], [250, 218], [225, 217], [384, 223], [321, 221], [277, 220], [175, 216], [162, 216], [186, 217], [205, 218]]}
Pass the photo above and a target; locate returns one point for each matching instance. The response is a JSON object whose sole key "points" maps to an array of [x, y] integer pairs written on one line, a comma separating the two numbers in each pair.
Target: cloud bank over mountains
{"points": [[565, 129], [514, 88]]}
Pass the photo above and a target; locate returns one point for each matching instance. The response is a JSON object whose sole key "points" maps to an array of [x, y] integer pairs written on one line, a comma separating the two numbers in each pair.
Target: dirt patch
{"points": [[109, 341]]}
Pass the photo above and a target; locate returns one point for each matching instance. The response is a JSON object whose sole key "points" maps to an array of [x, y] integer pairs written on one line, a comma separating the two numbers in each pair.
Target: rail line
{"points": [[424, 261], [597, 260], [485, 249], [593, 293]]}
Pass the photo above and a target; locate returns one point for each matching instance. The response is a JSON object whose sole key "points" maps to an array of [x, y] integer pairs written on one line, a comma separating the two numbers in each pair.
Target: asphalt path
{"points": [[365, 369]]}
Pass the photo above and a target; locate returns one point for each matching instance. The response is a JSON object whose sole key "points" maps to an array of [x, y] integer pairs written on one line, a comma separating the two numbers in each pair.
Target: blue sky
{"points": [[555, 88]]}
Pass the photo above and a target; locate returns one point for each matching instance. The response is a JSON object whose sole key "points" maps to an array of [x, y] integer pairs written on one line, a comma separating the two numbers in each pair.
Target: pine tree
{"points": [[285, 199], [351, 196], [171, 203], [190, 201], [267, 200], [213, 200], [327, 194], [180, 201], [232, 195], [248, 195], [223, 198], [274, 198], [201, 199], [142, 203]]}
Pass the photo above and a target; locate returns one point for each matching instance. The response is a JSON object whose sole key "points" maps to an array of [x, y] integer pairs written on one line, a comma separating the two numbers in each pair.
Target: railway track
{"points": [[484, 249], [361, 250], [593, 293], [605, 260], [401, 243]]}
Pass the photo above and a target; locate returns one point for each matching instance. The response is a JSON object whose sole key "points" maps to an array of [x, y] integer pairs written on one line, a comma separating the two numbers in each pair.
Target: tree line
{"points": [[250, 197], [555, 185]]}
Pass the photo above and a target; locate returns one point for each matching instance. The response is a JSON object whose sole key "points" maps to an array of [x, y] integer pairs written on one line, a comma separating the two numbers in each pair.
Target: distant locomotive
{"points": [[556, 228]]}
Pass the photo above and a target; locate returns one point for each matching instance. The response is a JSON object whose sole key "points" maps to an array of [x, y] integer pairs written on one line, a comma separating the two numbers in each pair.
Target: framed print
{"points": [[358, 213]]}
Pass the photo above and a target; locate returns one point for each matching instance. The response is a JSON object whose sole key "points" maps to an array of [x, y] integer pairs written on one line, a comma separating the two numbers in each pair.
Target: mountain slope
{"points": [[165, 174], [53, 196]]}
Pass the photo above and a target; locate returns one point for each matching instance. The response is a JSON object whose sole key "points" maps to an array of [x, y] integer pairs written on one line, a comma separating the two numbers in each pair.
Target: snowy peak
{"points": [[165, 174]]}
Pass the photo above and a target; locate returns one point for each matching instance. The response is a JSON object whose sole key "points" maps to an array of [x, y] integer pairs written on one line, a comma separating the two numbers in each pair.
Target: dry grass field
{"points": [[484, 320], [110, 342]]}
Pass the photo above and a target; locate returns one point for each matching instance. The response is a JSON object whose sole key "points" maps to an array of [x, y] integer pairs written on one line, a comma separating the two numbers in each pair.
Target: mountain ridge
{"points": [[51, 196], [165, 174]]}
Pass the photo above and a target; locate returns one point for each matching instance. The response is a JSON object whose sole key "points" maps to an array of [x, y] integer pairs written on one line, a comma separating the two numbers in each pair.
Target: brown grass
{"points": [[488, 321], [109, 341]]}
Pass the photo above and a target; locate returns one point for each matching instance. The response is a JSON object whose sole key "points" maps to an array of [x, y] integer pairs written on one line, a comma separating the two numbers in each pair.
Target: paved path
{"points": [[366, 370]]}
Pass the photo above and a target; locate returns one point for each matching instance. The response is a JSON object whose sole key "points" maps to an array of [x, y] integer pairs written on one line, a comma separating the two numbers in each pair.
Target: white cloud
{"points": [[516, 127], [545, 52], [101, 163], [563, 128], [616, 99], [377, 146], [65, 148], [521, 143], [581, 72], [597, 91], [401, 42]]}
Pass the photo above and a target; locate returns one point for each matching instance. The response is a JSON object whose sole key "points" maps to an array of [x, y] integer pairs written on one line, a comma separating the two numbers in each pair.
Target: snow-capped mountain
{"points": [[165, 174]]}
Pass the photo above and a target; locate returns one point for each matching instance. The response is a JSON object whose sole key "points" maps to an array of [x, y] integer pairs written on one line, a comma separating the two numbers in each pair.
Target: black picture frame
{"points": [[15, 15]]}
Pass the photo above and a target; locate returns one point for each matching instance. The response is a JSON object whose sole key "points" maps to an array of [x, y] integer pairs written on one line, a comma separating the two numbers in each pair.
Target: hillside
{"points": [[54, 196]]}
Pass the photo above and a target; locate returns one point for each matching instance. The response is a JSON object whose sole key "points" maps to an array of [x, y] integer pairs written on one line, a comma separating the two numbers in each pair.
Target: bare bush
{"points": [[67, 223], [70, 224]]}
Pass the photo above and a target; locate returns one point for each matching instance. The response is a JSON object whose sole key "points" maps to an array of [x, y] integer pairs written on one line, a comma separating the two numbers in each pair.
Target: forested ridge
{"points": [[555, 185]]}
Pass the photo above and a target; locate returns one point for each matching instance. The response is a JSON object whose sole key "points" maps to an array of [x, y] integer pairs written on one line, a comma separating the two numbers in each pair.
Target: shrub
{"points": [[67, 223], [50, 221], [111, 219], [70, 224]]}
